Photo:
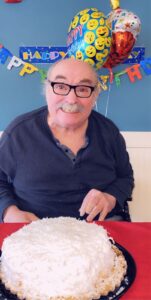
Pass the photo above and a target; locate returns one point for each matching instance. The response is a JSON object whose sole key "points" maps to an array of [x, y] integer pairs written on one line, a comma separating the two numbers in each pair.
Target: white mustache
{"points": [[68, 107]]}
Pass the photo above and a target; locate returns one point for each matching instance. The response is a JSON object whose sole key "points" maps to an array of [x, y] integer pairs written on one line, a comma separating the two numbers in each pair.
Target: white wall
{"points": [[139, 148]]}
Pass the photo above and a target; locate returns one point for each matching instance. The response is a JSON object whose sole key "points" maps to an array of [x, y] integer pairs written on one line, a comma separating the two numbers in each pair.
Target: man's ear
{"points": [[94, 104], [98, 90]]}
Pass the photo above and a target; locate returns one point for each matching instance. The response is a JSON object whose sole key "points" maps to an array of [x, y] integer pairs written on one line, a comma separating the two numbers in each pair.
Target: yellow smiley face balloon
{"points": [[79, 55], [89, 37], [84, 19]]}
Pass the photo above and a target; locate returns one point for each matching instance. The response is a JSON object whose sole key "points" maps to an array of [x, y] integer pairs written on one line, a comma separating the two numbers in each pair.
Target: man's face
{"points": [[70, 111]]}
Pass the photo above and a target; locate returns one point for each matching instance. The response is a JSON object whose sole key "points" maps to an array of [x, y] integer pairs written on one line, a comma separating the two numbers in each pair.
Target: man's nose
{"points": [[71, 97]]}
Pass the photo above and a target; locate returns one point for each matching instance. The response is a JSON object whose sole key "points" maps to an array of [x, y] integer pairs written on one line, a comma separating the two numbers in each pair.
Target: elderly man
{"points": [[64, 159]]}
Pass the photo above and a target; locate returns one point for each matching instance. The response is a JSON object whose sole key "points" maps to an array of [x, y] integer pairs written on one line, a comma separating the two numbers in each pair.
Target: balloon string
{"points": [[111, 76], [96, 106], [108, 98]]}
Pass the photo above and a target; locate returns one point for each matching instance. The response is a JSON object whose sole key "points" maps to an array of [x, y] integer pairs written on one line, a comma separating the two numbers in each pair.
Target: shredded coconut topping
{"points": [[57, 257]]}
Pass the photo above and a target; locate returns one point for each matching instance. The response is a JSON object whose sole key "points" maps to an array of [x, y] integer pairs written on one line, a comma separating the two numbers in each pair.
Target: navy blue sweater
{"points": [[38, 176]]}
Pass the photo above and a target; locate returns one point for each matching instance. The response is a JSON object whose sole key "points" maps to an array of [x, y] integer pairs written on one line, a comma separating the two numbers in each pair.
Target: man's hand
{"points": [[13, 214], [96, 202]]}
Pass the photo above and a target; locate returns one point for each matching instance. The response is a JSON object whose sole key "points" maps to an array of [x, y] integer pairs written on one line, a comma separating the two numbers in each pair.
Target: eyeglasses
{"points": [[81, 91]]}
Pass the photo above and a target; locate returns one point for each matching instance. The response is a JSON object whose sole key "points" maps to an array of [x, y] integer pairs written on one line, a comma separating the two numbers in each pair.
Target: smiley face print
{"points": [[90, 61], [100, 43], [99, 65], [79, 55], [97, 14], [102, 21], [108, 42], [94, 9], [72, 56], [105, 53], [75, 21], [92, 24], [102, 31], [89, 37], [84, 18], [82, 12], [99, 57], [90, 51]]}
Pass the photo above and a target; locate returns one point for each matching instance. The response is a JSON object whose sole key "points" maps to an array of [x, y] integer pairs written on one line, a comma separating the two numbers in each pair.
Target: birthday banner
{"points": [[42, 55], [52, 54], [14, 61], [134, 72]]}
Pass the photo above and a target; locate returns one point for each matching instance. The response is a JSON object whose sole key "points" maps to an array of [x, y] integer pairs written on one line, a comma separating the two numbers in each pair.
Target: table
{"points": [[135, 237]]}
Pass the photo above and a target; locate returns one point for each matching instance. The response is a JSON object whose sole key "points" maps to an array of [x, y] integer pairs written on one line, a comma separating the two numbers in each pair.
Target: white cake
{"points": [[61, 258]]}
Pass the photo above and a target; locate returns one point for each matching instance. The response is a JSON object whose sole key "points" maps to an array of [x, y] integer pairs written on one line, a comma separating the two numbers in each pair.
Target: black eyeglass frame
{"points": [[52, 83]]}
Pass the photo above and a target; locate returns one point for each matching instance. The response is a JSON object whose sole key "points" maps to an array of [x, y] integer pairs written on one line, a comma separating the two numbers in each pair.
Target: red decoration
{"points": [[13, 1], [125, 29], [122, 44], [134, 72]]}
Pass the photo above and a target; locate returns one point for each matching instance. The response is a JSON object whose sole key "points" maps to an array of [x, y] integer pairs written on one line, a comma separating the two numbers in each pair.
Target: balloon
{"points": [[125, 29], [89, 37], [115, 4]]}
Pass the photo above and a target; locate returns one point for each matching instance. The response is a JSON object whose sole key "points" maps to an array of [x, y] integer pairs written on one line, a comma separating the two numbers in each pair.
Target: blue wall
{"points": [[45, 23]]}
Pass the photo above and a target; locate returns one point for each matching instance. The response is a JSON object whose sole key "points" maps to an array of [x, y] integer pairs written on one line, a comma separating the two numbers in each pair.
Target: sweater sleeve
{"points": [[7, 173], [122, 187]]}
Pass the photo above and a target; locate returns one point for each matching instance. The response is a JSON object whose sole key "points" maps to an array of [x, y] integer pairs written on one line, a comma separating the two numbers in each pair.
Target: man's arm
{"points": [[13, 214], [7, 197], [97, 202], [9, 211]]}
